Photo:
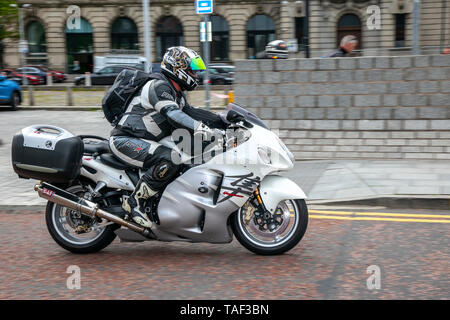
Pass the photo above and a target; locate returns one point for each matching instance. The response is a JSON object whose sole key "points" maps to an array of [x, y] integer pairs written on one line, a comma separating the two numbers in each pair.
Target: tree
{"points": [[8, 23]]}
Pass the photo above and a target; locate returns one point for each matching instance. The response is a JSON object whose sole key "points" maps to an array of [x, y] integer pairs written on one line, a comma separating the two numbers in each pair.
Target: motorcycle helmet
{"points": [[277, 49], [182, 64]]}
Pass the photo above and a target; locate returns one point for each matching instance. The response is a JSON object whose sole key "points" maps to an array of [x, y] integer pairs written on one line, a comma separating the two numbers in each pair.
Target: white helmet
{"points": [[181, 64]]}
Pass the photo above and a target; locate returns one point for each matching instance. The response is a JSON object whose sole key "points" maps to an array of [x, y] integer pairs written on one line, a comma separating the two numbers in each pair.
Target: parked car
{"points": [[156, 67], [10, 93], [219, 74], [101, 62], [32, 71], [12, 74], [105, 76], [57, 76]]}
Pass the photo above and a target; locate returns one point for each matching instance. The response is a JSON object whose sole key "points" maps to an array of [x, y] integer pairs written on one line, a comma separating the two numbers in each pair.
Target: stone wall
{"points": [[368, 107]]}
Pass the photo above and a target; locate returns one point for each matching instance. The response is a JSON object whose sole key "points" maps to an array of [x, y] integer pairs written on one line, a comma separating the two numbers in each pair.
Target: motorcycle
{"points": [[243, 196]]}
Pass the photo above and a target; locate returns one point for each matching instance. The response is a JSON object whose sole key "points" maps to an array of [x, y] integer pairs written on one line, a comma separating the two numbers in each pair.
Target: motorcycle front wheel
{"points": [[271, 234]]}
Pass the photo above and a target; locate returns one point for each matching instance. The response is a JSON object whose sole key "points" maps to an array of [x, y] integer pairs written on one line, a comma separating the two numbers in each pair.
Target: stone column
{"points": [[237, 18], [55, 26]]}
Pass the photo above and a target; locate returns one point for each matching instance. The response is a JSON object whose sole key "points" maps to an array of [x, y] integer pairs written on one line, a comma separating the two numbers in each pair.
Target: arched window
{"points": [[80, 47], [349, 24], [220, 44], [260, 31], [124, 34], [35, 35], [169, 33]]}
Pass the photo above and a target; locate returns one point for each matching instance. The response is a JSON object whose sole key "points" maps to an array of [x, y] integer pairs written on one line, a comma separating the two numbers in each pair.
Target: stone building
{"points": [[241, 28]]}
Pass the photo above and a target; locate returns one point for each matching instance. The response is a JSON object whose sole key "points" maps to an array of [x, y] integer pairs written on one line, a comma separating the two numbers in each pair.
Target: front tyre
{"points": [[266, 234], [75, 232]]}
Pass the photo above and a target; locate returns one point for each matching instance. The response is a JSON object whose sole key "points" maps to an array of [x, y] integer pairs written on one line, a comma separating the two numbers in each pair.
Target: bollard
{"points": [[69, 93], [231, 96], [227, 94], [30, 95], [49, 79], [87, 81]]}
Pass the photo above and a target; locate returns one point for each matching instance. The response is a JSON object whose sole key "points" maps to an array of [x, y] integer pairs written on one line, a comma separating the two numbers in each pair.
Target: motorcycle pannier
{"points": [[47, 153]]}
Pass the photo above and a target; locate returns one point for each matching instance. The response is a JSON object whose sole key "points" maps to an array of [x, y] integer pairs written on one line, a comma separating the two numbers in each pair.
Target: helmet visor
{"points": [[197, 64]]}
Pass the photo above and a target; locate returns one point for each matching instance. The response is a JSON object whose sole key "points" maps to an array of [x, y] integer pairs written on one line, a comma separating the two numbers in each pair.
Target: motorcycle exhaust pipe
{"points": [[86, 207]]}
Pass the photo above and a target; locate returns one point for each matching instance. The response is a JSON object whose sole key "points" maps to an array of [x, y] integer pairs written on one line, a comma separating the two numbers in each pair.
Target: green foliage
{"points": [[8, 19]]}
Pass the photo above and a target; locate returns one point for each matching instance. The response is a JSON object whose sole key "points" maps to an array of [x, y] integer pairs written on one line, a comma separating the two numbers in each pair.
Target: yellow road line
{"points": [[377, 219], [382, 214]]}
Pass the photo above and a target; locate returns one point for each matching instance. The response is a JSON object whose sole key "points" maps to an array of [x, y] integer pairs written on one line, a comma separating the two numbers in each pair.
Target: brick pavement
{"points": [[329, 263]]}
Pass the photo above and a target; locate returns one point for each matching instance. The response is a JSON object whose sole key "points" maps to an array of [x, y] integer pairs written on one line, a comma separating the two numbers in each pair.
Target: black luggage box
{"points": [[47, 153]]}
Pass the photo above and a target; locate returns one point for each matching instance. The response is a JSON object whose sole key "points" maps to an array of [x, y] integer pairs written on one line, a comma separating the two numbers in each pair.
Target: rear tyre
{"points": [[15, 100], [61, 222], [282, 239]]}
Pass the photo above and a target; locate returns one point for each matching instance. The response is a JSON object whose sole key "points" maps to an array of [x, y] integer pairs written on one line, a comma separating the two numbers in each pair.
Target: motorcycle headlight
{"points": [[285, 149], [264, 155]]}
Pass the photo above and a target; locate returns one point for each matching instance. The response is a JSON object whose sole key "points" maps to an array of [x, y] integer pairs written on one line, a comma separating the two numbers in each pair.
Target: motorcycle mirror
{"points": [[234, 116]]}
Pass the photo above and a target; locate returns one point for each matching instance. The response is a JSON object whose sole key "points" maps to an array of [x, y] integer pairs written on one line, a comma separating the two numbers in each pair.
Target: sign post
{"points": [[23, 46], [147, 43], [205, 7]]}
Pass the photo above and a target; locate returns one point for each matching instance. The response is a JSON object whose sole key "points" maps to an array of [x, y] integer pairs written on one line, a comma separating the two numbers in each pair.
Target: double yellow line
{"points": [[379, 216]]}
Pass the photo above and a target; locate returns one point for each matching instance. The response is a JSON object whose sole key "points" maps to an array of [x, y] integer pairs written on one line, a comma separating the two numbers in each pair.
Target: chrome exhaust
{"points": [[86, 207]]}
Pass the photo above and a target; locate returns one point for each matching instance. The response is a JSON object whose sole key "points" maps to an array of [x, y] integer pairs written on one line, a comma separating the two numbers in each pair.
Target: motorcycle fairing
{"points": [[187, 210]]}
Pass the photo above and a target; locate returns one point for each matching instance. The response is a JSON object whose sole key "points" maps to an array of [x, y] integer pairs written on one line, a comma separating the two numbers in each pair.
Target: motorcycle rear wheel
{"points": [[267, 242], [60, 226]]}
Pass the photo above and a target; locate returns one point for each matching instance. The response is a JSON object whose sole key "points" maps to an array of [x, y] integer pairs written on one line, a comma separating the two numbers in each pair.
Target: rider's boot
{"points": [[134, 204]]}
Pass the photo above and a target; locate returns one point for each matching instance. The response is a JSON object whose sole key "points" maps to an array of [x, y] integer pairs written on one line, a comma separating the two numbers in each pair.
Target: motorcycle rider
{"points": [[155, 112]]}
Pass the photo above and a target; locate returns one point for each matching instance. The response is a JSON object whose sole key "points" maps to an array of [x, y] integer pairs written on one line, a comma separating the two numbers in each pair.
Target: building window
{"points": [[80, 48], [349, 24], [35, 35], [169, 33], [220, 39], [400, 22], [260, 31], [300, 33], [124, 35]]}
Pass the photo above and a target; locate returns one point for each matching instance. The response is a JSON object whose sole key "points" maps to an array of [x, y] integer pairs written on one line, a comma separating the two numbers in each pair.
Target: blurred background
{"points": [[240, 30]]}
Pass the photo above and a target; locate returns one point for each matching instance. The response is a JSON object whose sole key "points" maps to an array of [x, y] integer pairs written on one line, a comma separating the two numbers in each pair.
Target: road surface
{"points": [[409, 248]]}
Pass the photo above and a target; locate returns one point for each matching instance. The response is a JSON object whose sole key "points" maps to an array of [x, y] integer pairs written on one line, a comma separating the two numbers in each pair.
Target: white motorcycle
{"points": [[235, 192]]}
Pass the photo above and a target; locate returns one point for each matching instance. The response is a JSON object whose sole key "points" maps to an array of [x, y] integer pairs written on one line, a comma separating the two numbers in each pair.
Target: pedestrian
{"points": [[348, 44], [76, 66]]}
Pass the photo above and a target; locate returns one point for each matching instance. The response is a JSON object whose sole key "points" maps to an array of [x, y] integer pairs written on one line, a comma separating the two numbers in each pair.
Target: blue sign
{"points": [[204, 6]]}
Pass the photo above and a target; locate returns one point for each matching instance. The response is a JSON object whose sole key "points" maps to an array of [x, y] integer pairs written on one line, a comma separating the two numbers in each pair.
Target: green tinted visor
{"points": [[197, 64]]}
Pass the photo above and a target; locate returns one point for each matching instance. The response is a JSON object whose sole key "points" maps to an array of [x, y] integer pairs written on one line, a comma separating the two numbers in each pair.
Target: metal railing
{"points": [[70, 92]]}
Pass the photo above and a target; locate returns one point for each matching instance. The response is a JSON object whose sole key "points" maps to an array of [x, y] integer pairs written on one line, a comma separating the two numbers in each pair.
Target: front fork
{"points": [[259, 205], [265, 219], [258, 198]]}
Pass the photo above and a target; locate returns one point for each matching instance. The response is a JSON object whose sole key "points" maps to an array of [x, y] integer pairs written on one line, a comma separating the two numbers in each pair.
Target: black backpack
{"points": [[128, 82]]}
